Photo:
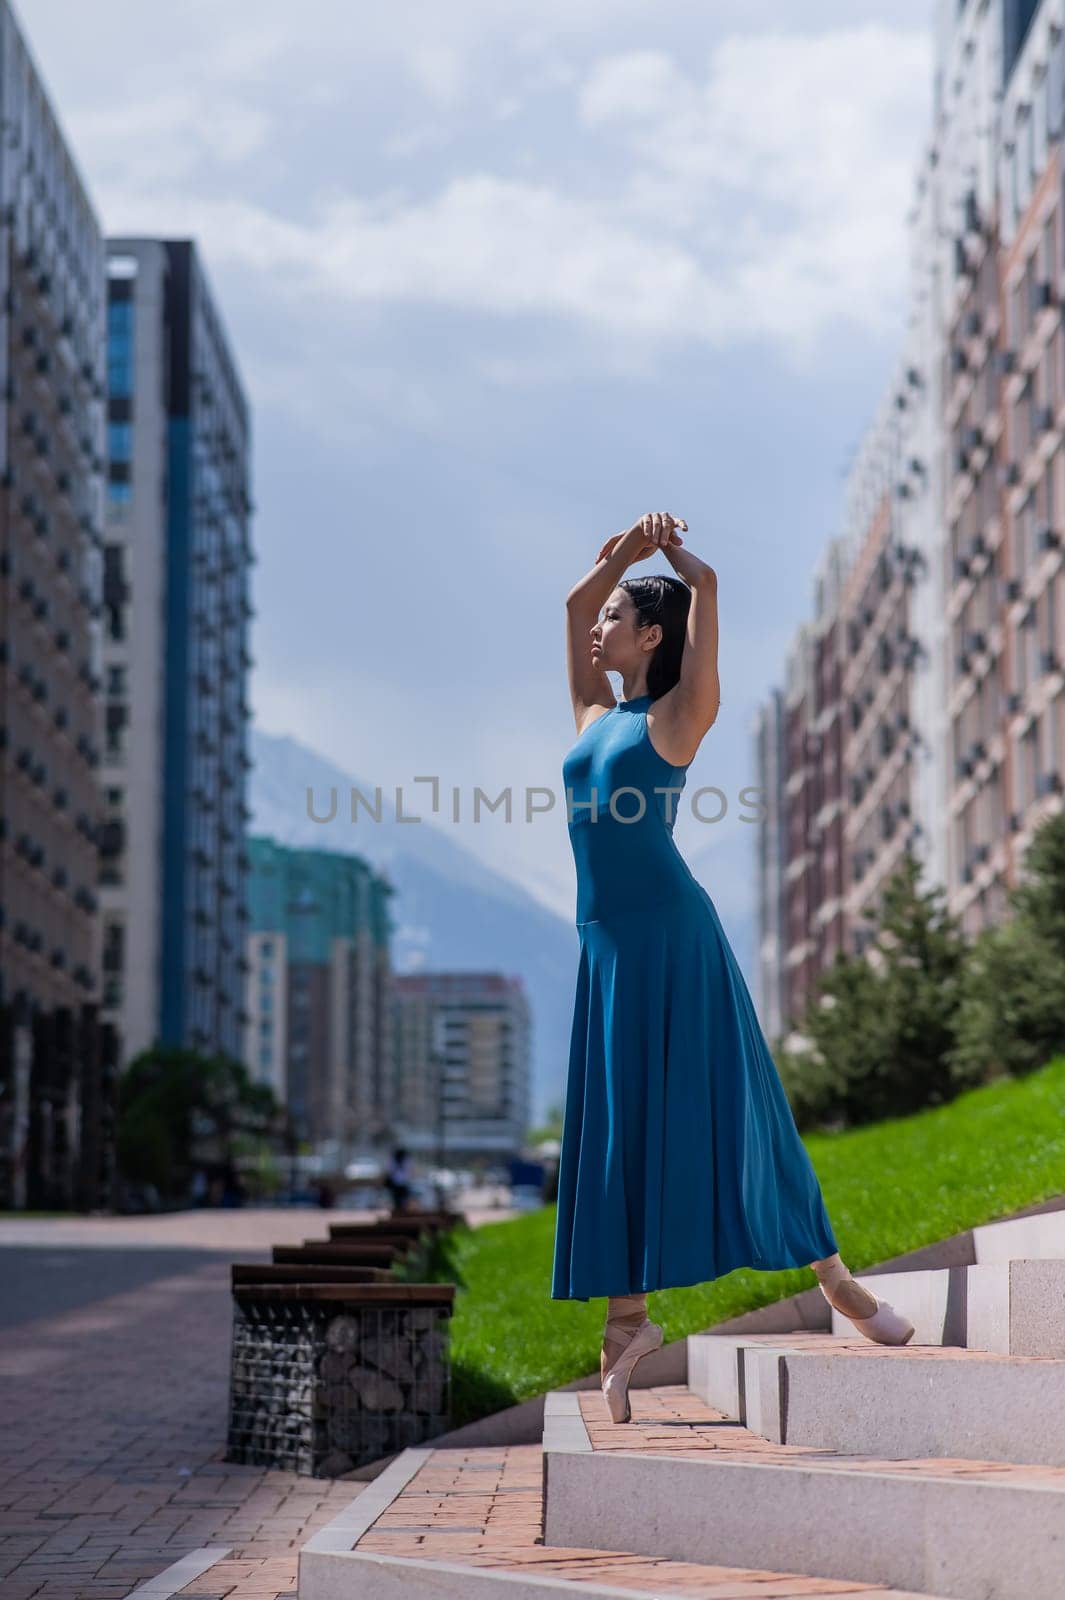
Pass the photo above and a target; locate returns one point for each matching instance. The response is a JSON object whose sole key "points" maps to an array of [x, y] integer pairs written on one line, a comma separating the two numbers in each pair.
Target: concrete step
{"points": [[1014, 1307], [684, 1481], [912, 1400], [1038, 1237], [466, 1525]]}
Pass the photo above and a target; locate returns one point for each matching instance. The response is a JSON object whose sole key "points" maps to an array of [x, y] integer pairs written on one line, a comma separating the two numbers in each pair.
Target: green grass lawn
{"points": [[888, 1188]]}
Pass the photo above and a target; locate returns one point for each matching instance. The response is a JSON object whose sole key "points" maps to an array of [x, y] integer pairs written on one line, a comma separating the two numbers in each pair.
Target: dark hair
{"points": [[667, 601]]}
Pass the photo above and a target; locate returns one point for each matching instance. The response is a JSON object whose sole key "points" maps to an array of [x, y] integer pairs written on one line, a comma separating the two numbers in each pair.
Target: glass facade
{"points": [[119, 347]]}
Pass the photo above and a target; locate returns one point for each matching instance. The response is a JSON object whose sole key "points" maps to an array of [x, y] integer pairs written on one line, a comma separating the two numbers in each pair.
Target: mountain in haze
{"points": [[454, 913]]}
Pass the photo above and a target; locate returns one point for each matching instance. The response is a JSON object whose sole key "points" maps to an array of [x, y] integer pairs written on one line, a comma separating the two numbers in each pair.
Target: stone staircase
{"points": [[786, 1464]]}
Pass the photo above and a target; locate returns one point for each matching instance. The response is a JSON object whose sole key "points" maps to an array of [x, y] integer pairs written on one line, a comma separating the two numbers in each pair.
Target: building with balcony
{"points": [[1029, 730], [769, 763], [56, 1062], [462, 1063], [174, 866], [950, 601], [319, 1017]]}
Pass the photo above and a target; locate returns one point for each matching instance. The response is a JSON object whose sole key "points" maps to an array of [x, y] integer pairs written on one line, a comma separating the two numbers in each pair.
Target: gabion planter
{"points": [[325, 1377]]}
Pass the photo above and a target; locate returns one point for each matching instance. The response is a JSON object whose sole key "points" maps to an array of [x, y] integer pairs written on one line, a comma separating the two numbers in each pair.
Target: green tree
{"points": [[1012, 1014], [1011, 1017], [178, 1108], [1039, 897], [880, 1025]]}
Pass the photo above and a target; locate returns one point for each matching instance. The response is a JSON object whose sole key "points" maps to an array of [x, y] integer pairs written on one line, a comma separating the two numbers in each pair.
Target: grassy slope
{"points": [[888, 1188]]}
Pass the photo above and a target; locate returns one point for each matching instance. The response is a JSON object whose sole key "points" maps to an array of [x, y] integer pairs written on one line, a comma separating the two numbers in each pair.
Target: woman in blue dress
{"points": [[680, 1157]]}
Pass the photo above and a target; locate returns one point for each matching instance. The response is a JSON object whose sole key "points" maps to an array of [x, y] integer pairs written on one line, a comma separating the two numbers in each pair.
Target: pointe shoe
{"points": [[648, 1337], [884, 1325]]}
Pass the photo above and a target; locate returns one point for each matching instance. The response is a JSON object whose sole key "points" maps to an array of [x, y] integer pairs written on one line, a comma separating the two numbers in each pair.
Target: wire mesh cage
{"points": [[320, 1386]]}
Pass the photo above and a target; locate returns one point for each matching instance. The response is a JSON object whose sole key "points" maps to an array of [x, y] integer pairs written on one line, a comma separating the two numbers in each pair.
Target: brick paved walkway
{"points": [[110, 1459], [115, 1407]]}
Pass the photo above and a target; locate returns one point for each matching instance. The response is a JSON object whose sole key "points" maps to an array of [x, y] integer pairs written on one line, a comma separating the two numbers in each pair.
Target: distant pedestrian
{"points": [[398, 1179]]}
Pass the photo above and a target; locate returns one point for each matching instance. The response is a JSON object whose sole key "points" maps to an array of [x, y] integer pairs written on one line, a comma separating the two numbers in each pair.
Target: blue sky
{"points": [[500, 278]]}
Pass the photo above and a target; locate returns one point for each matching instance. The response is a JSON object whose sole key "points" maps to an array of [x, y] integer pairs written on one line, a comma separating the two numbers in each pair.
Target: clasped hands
{"points": [[659, 531]]}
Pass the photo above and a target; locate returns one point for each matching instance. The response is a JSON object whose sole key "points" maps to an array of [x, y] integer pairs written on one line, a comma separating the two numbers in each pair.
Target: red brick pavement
{"points": [[111, 1455], [115, 1418]]}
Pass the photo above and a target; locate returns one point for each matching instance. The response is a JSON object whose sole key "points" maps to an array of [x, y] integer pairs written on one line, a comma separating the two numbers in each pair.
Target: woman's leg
{"points": [[625, 1313], [850, 1298]]}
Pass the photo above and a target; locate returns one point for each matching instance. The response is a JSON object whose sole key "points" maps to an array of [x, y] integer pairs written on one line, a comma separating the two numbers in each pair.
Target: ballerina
{"points": [[680, 1158]]}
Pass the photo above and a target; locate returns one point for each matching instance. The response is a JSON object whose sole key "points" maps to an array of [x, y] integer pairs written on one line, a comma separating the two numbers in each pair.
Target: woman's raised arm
{"points": [[588, 683]]}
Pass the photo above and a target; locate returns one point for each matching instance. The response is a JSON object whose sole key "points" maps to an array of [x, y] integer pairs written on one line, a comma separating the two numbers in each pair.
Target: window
{"points": [[120, 347], [1040, 120], [115, 590], [116, 723], [114, 947], [1049, 496], [120, 440]]}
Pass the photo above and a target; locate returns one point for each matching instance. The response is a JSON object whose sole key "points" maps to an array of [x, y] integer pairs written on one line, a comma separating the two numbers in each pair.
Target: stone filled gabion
{"points": [[322, 1387]]}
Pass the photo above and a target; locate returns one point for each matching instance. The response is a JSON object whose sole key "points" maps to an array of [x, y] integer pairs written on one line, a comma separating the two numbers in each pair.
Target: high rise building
{"points": [[173, 880], [769, 763], [55, 1062], [952, 610], [319, 1019], [462, 1056]]}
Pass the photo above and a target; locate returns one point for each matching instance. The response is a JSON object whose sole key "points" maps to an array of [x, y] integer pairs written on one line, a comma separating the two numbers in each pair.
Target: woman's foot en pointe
{"points": [[874, 1319], [615, 1377]]}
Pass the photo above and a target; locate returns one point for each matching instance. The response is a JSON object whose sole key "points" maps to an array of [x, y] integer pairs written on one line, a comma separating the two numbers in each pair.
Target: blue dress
{"points": [[680, 1158]]}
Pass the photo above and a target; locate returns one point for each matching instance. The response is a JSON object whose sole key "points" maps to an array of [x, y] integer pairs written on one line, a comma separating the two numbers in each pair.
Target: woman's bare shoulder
{"points": [[672, 731]]}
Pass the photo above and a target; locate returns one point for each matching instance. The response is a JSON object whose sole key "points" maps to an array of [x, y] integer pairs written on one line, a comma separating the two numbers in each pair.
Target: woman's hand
{"points": [[654, 531]]}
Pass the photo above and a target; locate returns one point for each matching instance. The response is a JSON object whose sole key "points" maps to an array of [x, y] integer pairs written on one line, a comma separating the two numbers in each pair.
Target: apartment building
{"points": [[462, 1064], [319, 1017], [174, 867], [948, 603], [768, 740], [882, 657], [56, 1061], [1031, 431]]}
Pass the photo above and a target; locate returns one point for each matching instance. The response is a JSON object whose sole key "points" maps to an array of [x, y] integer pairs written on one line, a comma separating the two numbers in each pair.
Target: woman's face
{"points": [[615, 638]]}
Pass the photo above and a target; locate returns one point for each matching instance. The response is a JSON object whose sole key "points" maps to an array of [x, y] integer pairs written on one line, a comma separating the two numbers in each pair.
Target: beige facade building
{"points": [[948, 607], [56, 1064], [462, 1065]]}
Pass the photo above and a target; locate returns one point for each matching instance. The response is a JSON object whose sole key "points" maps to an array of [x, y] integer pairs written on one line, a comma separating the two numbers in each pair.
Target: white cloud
{"points": [[790, 162], [761, 197], [169, 137], [439, 70]]}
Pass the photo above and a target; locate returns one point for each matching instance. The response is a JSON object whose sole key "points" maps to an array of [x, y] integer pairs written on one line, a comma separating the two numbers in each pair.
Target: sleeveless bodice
{"points": [[622, 799]]}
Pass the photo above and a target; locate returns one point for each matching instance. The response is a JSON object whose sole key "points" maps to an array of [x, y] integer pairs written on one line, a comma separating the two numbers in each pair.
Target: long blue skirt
{"points": [[680, 1157]]}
